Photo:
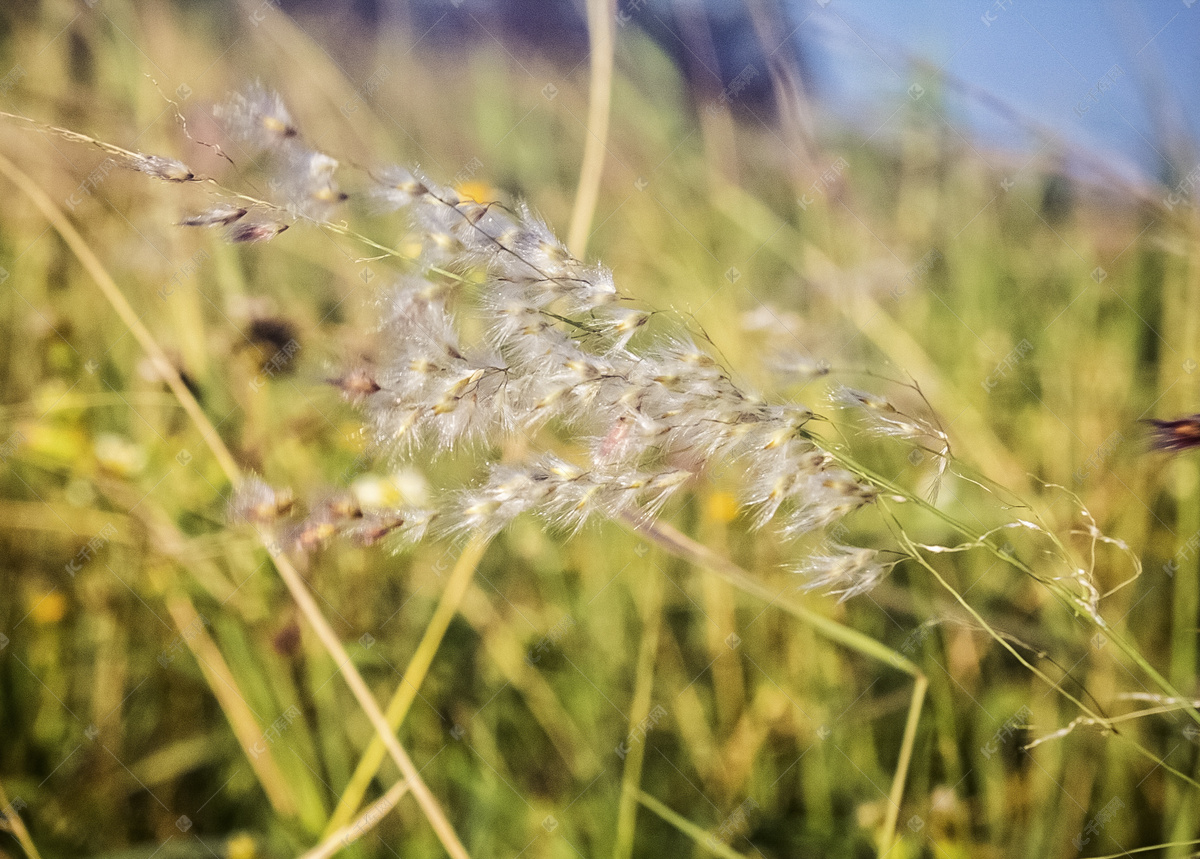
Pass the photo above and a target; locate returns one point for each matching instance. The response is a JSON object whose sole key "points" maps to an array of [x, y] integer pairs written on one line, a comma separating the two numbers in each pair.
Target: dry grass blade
{"points": [[452, 596], [224, 687], [343, 837], [639, 715], [601, 24], [702, 839], [13, 823]]}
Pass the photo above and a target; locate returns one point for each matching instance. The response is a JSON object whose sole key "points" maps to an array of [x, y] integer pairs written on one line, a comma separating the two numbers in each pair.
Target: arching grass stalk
{"points": [[989, 544], [550, 347], [682, 546], [1103, 722]]}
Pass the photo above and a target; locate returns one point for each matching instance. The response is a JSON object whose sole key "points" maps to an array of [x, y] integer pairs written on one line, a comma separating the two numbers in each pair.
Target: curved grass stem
{"points": [[703, 840], [989, 544]]}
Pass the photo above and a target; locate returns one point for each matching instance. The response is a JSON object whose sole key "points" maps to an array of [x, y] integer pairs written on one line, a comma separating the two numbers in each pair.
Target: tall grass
{"points": [[650, 684]]}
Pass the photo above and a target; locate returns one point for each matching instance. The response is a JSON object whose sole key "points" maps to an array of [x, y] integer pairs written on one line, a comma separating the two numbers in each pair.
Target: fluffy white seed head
{"points": [[256, 118], [843, 570]]}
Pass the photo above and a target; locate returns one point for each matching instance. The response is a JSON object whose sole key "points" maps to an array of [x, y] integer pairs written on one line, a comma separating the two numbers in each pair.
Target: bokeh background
{"points": [[994, 201]]}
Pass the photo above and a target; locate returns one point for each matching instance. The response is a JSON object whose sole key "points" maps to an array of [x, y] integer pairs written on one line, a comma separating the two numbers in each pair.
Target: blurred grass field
{"points": [[1041, 317]]}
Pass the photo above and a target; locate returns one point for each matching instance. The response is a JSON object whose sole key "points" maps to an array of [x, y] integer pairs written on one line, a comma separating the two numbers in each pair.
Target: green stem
{"points": [[989, 544]]}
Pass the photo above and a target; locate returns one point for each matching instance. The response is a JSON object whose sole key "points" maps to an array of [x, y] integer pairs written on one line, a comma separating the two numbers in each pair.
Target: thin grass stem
{"points": [[639, 716], [702, 839], [12, 822], [232, 700], [684, 547], [455, 590], [601, 15], [344, 836]]}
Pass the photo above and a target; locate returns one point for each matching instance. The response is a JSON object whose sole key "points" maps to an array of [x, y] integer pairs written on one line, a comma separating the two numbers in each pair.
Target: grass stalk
{"points": [[684, 547], [13, 823], [1093, 717], [418, 666], [225, 689], [896, 794], [312, 613], [344, 836], [990, 545], [601, 15], [652, 599], [703, 840]]}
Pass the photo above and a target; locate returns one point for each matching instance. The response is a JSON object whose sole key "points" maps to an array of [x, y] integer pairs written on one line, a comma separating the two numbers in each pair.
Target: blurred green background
{"points": [[147, 650]]}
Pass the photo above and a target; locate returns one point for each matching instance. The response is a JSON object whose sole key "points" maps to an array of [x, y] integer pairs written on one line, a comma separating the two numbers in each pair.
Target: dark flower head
{"points": [[1177, 435]]}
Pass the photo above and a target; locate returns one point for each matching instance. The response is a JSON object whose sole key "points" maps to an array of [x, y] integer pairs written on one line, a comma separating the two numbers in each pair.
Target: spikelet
{"points": [[256, 118], [843, 570], [159, 167], [219, 215], [252, 232], [256, 502], [307, 184]]}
